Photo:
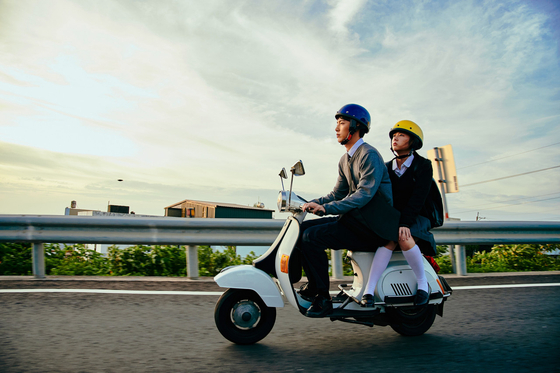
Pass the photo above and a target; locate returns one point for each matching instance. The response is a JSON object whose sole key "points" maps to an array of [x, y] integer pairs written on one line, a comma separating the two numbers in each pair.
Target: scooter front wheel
{"points": [[242, 317]]}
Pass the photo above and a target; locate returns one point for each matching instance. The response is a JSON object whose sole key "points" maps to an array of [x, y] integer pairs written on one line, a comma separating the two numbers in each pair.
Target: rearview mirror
{"points": [[298, 169], [283, 174]]}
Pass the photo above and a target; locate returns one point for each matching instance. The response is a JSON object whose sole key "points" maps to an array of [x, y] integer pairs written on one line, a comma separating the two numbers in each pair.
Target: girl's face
{"points": [[400, 142]]}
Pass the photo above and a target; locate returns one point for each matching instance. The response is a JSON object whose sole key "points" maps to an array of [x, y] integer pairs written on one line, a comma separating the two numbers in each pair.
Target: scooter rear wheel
{"points": [[412, 322], [242, 317]]}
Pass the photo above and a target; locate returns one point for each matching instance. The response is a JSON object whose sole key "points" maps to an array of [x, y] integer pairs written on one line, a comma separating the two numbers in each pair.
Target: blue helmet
{"points": [[356, 112]]}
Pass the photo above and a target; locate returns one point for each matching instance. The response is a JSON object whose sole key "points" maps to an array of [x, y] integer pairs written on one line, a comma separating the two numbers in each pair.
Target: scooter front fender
{"points": [[249, 277]]}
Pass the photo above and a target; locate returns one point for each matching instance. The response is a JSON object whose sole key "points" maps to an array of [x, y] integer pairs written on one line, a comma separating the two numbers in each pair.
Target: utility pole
{"points": [[444, 164]]}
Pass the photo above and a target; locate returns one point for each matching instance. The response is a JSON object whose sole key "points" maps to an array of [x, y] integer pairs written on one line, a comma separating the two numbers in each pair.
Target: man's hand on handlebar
{"points": [[314, 208]]}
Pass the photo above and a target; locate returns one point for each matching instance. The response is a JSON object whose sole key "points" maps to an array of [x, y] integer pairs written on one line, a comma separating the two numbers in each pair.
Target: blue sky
{"points": [[208, 100]]}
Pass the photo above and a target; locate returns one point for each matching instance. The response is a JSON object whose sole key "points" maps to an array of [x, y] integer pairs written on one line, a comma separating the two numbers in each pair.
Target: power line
{"points": [[540, 213], [508, 156], [506, 203], [510, 204], [508, 177]]}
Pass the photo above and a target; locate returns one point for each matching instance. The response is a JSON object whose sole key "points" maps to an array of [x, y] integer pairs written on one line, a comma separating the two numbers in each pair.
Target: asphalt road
{"points": [[493, 330]]}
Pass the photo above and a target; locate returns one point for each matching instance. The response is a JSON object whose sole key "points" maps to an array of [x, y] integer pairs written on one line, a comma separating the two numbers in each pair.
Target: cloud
{"points": [[342, 13], [217, 96]]}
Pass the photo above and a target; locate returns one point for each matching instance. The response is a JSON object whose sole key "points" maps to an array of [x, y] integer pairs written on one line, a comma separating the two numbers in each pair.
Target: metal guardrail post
{"points": [[192, 262], [451, 249], [460, 260], [336, 264], [39, 260]]}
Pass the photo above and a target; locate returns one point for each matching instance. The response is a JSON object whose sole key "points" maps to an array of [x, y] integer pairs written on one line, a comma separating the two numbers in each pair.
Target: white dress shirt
{"points": [[400, 171], [355, 147]]}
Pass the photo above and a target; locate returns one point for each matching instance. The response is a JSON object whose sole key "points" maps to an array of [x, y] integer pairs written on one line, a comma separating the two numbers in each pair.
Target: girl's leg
{"points": [[380, 262], [416, 261]]}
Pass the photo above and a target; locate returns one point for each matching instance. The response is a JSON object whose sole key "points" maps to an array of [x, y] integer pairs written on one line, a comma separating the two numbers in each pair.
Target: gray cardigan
{"points": [[369, 174]]}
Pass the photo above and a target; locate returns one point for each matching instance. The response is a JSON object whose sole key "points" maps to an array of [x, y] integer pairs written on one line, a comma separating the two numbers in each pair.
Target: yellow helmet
{"points": [[411, 129]]}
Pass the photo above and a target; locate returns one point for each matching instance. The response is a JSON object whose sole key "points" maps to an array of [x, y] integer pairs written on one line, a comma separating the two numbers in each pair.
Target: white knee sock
{"points": [[380, 261], [416, 261]]}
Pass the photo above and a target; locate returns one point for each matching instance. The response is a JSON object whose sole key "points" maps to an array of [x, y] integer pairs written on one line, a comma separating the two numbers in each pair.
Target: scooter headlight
{"points": [[282, 201]]}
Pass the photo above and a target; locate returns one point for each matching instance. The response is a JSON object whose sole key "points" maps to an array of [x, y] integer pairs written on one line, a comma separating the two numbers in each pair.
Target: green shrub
{"points": [[15, 259], [74, 260], [165, 260], [444, 263], [443, 259], [140, 260], [513, 258], [211, 262]]}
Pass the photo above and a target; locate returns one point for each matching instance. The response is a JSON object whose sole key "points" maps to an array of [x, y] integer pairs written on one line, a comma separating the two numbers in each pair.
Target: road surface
{"points": [[509, 329]]}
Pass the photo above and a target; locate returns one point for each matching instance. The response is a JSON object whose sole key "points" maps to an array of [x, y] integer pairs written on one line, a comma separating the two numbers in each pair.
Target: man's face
{"points": [[400, 141], [342, 129]]}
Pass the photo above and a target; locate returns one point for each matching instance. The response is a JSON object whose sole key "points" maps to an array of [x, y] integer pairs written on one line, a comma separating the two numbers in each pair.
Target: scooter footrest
{"points": [[437, 295], [363, 313], [339, 298], [344, 289], [399, 300], [409, 299]]}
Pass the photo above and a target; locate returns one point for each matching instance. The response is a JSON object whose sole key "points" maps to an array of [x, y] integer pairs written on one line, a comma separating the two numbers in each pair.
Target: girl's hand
{"points": [[404, 234]]}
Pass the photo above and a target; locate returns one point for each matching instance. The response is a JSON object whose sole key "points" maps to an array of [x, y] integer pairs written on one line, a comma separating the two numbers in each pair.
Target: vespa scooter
{"points": [[246, 312]]}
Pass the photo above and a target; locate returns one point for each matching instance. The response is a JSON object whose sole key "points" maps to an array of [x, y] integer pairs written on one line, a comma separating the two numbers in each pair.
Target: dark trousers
{"points": [[316, 235]]}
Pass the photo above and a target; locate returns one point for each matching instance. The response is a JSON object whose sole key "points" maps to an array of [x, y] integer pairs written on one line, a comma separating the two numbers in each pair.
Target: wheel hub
{"points": [[246, 314]]}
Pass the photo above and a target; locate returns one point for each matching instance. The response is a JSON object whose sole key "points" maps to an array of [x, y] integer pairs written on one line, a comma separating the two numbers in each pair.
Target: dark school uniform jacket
{"points": [[411, 189]]}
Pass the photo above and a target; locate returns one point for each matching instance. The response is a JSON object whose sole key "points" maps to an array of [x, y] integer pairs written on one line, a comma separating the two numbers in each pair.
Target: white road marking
{"points": [[107, 291], [502, 286]]}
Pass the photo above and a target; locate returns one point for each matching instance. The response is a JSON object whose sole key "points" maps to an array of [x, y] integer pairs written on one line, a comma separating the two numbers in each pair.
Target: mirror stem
{"points": [[291, 183]]}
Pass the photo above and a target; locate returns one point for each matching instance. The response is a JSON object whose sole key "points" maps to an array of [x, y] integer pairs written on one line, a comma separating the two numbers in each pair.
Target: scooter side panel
{"points": [[249, 277], [266, 262], [399, 279], [284, 251]]}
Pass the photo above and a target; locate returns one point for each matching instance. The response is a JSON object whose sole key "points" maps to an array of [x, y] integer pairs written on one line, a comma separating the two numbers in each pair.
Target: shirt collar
{"points": [[355, 147], [405, 165]]}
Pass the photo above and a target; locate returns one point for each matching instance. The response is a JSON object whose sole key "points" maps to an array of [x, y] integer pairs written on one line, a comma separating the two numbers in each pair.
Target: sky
{"points": [[208, 100]]}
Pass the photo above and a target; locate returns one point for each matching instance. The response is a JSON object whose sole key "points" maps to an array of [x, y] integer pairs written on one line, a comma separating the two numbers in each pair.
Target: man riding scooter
{"points": [[360, 196]]}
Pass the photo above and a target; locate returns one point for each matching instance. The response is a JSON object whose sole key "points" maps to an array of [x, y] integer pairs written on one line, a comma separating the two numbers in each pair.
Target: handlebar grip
{"points": [[320, 213]]}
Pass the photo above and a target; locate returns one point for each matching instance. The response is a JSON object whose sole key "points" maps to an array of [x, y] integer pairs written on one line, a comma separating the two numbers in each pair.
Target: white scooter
{"points": [[246, 312]]}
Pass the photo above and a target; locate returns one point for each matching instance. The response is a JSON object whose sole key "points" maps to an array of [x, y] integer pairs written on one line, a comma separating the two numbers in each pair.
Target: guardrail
{"points": [[246, 232]]}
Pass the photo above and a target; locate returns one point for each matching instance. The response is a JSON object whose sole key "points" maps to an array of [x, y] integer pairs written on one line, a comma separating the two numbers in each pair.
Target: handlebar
{"points": [[318, 213]]}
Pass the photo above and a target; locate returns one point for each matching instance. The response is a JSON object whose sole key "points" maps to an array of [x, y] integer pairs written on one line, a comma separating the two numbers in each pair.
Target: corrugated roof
{"points": [[217, 204]]}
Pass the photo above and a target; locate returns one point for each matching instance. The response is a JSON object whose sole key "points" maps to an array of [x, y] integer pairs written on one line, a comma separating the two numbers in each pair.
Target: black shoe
{"points": [[367, 300], [322, 306], [422, 297], [306, 293]]}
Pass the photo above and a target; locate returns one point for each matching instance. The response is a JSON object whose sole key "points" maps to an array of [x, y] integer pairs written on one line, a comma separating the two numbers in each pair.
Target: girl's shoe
{"points": [[367, 300], [422, 297]]}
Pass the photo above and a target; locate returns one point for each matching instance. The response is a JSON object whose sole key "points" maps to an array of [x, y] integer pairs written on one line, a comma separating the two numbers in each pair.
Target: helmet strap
{"points": [[402, 156], [351, 131]]}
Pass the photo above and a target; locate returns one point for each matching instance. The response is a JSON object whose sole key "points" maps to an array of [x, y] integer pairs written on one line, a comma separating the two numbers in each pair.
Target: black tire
{"points": [[242, 317], [412, 322]]}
